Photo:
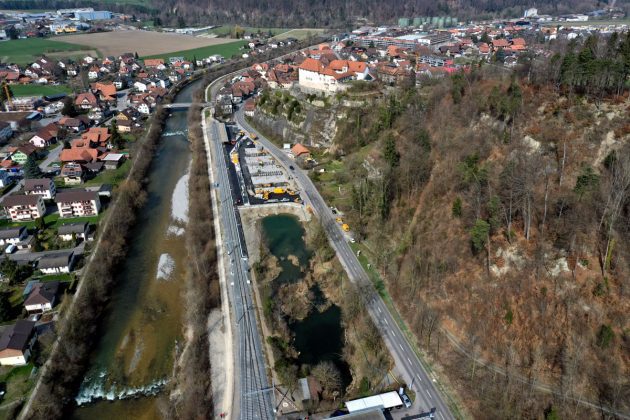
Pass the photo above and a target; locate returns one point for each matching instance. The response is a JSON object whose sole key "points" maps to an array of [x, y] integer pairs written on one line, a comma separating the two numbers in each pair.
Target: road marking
{"points": [[386, 321], [428, 392], [400, 345], [409, 360], [379, 311]]}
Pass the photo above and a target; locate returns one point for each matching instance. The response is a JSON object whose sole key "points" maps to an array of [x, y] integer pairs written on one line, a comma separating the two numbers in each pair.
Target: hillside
{"points": [[307, 13], [497, 212]]}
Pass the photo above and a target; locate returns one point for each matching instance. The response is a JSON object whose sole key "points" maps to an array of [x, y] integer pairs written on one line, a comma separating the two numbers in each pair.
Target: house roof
{"points": [[20, 200], [86, 97], [113, 157], [56, 260], [16, 337], [70, 228], [42, 293], [500, 43], [311, 64], [153, 62], [298, 150], [78, 154], [74, 195], [11, 232], [33, 184]]}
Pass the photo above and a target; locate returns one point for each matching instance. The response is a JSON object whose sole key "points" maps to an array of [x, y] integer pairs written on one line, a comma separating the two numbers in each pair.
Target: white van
{"points": [[10, 249]]}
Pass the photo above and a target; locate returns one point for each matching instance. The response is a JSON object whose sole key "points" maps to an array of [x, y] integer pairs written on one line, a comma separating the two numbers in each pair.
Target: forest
{"points": [[496, 207], [306, 13]]}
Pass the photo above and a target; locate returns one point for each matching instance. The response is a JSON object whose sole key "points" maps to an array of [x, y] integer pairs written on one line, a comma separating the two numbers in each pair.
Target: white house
{"points": [[314, 75], [44, 187], [69, 231], [140, 86], [21, 207], [13, 235], [42, 297], [16, 343], [56, 263], [78, 203]]}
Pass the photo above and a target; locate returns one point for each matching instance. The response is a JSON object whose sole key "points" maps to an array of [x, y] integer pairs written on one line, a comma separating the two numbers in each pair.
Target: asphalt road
{"points": [[410, 367], [253, 400], [53, 156]]}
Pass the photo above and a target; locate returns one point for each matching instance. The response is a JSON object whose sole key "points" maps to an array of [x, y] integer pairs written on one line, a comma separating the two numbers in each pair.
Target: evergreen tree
{"points": [[390, 153], [116, 138], [31, 169], [69, 109]]}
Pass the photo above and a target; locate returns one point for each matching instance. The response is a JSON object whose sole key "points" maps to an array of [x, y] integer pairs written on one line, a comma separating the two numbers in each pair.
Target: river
{"points": [[143, 325]]}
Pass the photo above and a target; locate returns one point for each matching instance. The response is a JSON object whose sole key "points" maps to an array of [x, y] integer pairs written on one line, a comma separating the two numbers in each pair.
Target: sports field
{"points": [[145, 43], [25, 51]]}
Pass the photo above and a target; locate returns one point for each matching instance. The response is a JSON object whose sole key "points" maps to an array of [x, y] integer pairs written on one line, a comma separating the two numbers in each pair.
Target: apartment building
{"points": [[78, 203]]}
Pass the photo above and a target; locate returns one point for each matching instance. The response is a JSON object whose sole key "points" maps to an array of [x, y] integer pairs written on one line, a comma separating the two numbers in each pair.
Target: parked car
{"points": [[10, 249], [406, 400]]}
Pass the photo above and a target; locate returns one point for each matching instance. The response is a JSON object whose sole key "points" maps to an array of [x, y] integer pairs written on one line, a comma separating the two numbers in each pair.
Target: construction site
{"points": [[256, 175]]}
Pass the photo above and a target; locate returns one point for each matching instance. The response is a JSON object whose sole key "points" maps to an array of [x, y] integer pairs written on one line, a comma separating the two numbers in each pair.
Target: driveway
{"points": [[53, 156]]}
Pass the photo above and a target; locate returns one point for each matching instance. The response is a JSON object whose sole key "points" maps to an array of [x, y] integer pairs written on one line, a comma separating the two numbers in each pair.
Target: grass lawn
{"points": [[39, 90], [226, 30], [25, 51], [113, 177], [52, 221], [225, 50], [19, 382], [298, 34], [62, 277]]}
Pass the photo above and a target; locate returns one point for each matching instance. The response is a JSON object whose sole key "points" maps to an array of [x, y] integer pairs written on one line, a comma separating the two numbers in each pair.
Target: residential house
{"points": [[22, 207], [13, 235], [77, 124], [71, 231], [94, 72], [56, 263], [5, 131], [44, 187], [106, 91], [156, 63], [21, 153], [86, 100], [42, 298], [16, 343], [72, 173], [250, 107], [45, 136], [299, 151], [78, 203], [79, 152]]}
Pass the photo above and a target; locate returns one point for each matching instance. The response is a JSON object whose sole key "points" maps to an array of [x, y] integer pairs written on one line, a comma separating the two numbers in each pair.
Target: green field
{"points": [[39, 90], [299, 34], [226, 30], [25, 51], [226, 50]]}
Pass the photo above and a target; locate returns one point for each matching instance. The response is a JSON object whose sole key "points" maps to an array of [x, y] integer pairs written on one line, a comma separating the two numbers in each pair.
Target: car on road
{"points": [[291, 167], [405, 400]]}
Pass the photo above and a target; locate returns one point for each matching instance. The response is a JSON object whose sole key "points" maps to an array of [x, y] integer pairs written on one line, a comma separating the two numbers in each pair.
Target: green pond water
{"points": [[319, 336]]}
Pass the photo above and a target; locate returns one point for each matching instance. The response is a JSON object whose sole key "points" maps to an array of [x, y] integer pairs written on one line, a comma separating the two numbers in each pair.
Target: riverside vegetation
{"points": [[496, 209]]}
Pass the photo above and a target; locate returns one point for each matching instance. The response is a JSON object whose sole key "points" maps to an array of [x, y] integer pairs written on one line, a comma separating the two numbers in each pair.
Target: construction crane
{"points": [[7, 92]]}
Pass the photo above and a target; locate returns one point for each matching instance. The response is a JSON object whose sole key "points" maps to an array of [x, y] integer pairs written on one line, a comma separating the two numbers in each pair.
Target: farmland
{"points": [[25, 51], [39, 90], [226, 50], [226, 30], [298, 33], [145, 43]]}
